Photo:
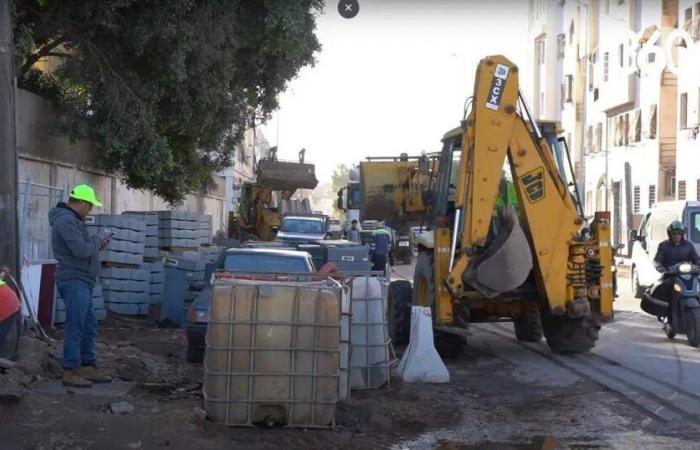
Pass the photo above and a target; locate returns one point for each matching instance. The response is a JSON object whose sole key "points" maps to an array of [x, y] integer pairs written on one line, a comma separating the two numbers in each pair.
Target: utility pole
{"points": [[9, 242]]}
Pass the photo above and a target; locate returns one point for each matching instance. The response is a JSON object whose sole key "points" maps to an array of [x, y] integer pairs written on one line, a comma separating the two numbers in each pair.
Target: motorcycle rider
{"points": [[676, 249]]}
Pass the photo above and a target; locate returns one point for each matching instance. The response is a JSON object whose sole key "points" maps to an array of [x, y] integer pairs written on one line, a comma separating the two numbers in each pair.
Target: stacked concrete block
{"points": [[156, 282], [151, 251], [127, 245], [126, 291], [205, 233], [98, 306], [178, 229]]}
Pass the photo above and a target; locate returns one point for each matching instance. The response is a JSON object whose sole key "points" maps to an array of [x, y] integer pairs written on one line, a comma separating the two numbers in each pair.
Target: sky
{"points": [[393, 79]]}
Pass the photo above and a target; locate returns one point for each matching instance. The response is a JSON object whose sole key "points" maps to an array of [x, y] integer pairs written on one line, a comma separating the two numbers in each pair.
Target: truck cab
{"points": [[652, 231]]}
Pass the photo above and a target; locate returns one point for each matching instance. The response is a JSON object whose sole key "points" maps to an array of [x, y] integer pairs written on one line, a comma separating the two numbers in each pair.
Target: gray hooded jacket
{"points": [[77, 253]]}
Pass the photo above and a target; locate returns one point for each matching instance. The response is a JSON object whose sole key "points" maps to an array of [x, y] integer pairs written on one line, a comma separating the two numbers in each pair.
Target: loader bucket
{"points": [[507, 261], [286, 175]]}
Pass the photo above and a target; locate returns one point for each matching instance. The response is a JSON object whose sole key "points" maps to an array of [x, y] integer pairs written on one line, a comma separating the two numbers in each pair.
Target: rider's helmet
{"points": [[676, 225]]}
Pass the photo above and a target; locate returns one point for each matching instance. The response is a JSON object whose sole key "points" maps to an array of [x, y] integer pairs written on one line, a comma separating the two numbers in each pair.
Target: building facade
{"points": [[624, 83]]}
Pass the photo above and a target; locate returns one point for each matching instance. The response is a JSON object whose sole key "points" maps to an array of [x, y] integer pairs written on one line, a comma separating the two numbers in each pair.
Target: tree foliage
{"points": [[165, 89]]}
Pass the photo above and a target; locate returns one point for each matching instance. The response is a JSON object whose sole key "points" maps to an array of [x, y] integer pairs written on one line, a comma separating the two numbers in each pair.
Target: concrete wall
{"points": [[52, 165]]}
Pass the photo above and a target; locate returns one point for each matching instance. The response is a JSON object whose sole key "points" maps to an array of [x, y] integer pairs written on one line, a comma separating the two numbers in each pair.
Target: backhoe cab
{"points": [[509, 247]]}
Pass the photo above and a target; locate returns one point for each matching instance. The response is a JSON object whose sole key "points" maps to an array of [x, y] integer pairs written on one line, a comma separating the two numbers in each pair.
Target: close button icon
{"points": [[348, 8]]}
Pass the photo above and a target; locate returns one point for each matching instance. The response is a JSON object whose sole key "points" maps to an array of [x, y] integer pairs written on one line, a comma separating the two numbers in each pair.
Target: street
{"points": [[634, 390]]}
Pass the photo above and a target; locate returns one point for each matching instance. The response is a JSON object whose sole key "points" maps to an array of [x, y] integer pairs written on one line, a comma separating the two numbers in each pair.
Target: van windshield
{"points": [[694, 232]]}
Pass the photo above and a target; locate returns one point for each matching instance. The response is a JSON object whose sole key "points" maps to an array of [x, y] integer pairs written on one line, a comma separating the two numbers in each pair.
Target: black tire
{"points": [[668, 330], [399, 311], [448, 345], [528, 326], [637, 290], [692, 325], [195, 355], [9, 347], [566, 335]]}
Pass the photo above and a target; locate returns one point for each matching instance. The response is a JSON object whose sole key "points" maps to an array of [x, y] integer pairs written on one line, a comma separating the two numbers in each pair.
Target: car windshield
{"points": [[304, 226], [265, 263]]}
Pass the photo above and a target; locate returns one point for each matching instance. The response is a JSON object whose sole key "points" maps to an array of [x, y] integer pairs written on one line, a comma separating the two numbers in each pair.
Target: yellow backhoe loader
{"points": [[538, 262]]}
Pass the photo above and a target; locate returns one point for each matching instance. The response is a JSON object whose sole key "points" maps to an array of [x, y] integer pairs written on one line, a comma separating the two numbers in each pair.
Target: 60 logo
{"points": [[662, 58]]}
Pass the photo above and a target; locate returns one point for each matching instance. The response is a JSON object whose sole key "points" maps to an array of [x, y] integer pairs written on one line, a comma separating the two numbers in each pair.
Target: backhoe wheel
{"points": [[449, 345], [566, 335], [692, 326], [399, 311], [528, 326]]}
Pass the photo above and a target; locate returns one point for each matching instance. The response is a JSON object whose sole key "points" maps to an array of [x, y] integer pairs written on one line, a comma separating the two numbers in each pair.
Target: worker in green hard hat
{"points": [[78, 256]]}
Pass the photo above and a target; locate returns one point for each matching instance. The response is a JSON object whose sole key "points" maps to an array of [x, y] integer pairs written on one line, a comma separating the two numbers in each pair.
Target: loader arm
{"points": [[551, 243]]}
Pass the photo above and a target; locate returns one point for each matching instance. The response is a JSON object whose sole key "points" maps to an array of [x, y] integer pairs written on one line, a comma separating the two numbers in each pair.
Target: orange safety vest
{"points": [[9, 303]]}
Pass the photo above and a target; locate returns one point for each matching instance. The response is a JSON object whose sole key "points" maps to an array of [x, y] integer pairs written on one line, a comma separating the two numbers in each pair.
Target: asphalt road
{"points": [[633, 361]]}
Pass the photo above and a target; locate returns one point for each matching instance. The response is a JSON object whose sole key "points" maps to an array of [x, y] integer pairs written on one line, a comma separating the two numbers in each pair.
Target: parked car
{"points": [[652, 231], [302, 229], [239, 261]]}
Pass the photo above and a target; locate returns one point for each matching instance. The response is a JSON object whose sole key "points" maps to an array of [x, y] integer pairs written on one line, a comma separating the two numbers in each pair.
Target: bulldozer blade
{"points": [[507, 261]]}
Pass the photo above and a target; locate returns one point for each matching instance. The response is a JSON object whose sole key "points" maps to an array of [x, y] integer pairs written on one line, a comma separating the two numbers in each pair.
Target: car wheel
{"points": [[637, 290]]}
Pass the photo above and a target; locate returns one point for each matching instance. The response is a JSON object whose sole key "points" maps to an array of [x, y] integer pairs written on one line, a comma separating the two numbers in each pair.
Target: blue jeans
{"points": [[80, 329]]}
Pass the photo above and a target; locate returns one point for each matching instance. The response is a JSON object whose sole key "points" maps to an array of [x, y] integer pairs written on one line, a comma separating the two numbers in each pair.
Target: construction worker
{"points": [[382, 244], [78, 259], [354, 232], [9, 312]]}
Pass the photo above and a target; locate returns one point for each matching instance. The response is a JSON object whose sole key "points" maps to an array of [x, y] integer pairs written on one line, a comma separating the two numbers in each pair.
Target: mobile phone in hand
{"points": [[106, 234]]}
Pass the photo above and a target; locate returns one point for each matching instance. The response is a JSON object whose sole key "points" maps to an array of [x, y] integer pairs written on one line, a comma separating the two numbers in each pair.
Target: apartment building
{"points": [[627, 87]]}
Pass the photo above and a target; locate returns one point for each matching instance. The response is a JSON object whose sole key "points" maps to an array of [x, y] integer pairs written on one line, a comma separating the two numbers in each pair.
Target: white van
{"points": [[652, 231]]}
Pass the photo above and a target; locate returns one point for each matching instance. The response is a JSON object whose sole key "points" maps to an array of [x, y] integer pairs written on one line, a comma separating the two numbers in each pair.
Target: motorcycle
{"points": [[675, 301]]}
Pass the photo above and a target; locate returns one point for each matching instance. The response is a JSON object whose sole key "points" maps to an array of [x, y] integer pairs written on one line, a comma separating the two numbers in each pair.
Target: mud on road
{"points": [[501, 395]]}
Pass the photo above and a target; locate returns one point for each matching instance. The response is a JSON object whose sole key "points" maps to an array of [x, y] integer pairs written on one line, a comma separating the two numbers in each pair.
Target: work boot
{"points": [[91, 373], [72, 378]]}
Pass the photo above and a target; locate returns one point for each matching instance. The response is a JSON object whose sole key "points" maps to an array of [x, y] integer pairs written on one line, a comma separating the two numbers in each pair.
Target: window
{"points": [[695, 227], [561, 97], [670, 185], [571, 32], [652, 122], [621, 51], [652, 195], [626, 129], [681, 190], [540, 49], [684, 111], [635, 207], [561, 45], [651, 57], [589, 139], [542, 109], [568, 88], [697, 189], [606, 62], [599, 137], [635, 128], [607, 6]]}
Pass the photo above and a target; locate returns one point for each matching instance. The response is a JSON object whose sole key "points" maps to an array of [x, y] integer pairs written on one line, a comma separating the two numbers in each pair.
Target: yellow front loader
{"points": [[535, 260]]}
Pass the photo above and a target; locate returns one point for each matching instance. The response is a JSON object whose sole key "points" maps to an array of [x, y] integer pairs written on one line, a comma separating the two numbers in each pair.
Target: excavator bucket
{"points": [[506, 262]]}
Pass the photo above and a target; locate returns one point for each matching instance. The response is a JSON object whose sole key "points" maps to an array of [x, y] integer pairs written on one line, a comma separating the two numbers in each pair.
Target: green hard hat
{"points": [[85, 193]]}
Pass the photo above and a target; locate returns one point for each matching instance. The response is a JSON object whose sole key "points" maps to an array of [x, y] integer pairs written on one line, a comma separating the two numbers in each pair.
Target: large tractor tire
{"points": [[528, 326], [449, 345], [399, 311], [566, 335]]}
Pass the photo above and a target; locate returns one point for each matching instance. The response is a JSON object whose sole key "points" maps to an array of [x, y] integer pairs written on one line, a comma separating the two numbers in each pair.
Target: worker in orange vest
{"points": [[9, 313]]}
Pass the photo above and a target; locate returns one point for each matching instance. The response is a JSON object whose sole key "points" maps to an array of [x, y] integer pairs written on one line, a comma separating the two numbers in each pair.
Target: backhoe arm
{"points": [[493, 133]]}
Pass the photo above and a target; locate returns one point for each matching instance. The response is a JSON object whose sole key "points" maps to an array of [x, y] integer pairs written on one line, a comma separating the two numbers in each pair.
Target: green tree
{"points": [[165, 89]]}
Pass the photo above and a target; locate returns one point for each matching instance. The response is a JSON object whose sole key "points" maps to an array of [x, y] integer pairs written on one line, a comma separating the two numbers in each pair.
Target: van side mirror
{"points": [[634, 235]]}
